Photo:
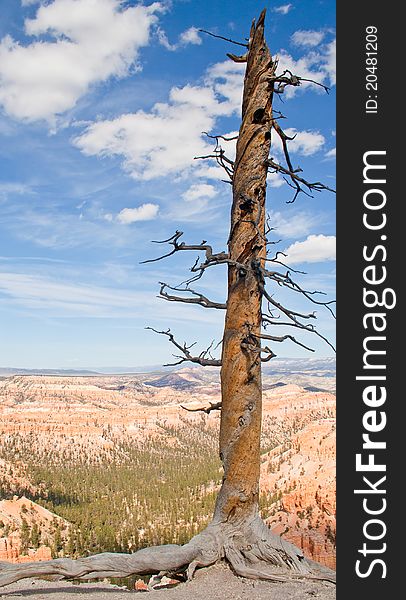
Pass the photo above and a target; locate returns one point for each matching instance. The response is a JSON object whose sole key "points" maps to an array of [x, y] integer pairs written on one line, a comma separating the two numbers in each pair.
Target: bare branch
{"points": [[220, 137], [211, 258], [186, 356], [282, 338], [197, 298], [288, 78], [284, 138], [221, 159], [171, 239], [284, 279], [238, 59], [325, 87], [276, 261], [220, 37], [296, 180], [270, 354], [205, 409], [294, 316], [219, 155]]}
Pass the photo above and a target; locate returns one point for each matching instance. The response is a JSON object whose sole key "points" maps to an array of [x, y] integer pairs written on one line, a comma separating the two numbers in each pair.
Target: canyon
{"points": [[130, 457]]}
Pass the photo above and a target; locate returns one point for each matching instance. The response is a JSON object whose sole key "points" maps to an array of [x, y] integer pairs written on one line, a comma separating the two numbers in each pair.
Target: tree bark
{"points": [[241, 388]]}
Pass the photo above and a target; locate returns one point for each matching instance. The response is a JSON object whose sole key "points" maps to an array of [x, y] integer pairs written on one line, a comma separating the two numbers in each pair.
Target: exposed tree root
{"points": [[251, 549]]}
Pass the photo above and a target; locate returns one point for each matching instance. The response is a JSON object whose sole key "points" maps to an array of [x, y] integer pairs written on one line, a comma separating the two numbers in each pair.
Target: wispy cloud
{"points": [[197, 191], [283, 9], [275, 180], [8, 189], [33, 291], [293, 226], [56, 297], [307, 38], [44, 227], [189, 36], [304, 143]]}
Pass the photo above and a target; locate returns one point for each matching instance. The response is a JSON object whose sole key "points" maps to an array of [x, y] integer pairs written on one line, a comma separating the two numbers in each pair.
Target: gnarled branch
{"points": [[284, 279], [219, 155], [196, 298], [296, 180], [177, 247], [282, 338], [287, 78], [205, 409], [204, 358]]}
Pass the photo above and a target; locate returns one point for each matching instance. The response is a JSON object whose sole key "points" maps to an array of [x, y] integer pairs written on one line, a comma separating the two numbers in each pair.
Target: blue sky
{"points": [[102, 108]]}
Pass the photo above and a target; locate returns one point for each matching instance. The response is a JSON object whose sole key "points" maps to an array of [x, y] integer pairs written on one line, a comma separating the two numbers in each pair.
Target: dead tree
{"points": [[236, 532]]}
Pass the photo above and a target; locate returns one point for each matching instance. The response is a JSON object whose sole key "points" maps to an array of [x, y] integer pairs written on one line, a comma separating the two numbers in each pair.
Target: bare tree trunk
{"points": [[241, 388], [236, 532]]}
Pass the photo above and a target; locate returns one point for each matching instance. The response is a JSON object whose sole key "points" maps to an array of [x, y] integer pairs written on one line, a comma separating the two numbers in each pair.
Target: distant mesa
{"points": [[173, 380], [6, 371], [317, 366]]}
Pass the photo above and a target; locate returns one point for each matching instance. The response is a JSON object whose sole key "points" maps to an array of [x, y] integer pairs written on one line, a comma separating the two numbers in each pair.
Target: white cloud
{"points": [[315, 248], [294, 226], [318, 65], [275, 180], [283, 9], [155, 144], [329, 62], [189, 36], [163, 40], [331, 153], [198, 191], [227, 78], [93, 40], [195, 204], [307, 38], [304, 143], [165, 140], [145, 212]]}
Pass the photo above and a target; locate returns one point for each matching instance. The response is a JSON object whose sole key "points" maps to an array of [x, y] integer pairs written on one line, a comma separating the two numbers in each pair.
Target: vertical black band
{"points": [[371, 241]]}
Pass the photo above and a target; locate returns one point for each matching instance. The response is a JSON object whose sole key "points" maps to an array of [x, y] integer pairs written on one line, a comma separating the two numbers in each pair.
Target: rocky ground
{"points": [[214, 583]]}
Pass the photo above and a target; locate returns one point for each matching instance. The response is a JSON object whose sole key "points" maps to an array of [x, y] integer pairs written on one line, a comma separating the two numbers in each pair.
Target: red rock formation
{"points": [[298, 460], [140, 586], [12, 513]]}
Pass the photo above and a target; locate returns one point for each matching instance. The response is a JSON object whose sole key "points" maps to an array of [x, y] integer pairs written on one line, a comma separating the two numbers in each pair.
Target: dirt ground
{"points": [[213, 583]]}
